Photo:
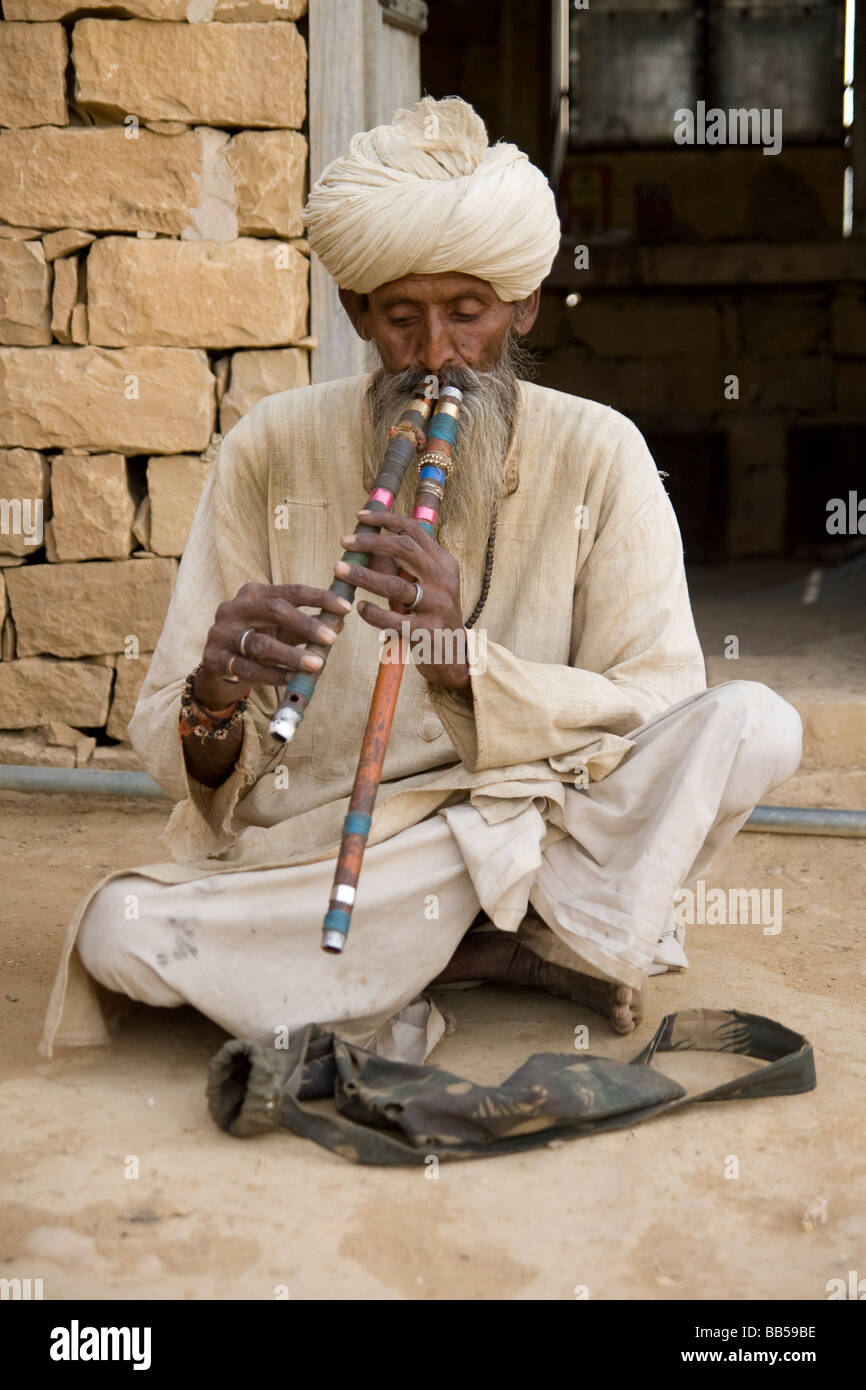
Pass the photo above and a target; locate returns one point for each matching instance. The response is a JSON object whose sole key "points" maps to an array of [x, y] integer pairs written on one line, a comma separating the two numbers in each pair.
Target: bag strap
{"points": [[252, 1089], [791, 1058]]}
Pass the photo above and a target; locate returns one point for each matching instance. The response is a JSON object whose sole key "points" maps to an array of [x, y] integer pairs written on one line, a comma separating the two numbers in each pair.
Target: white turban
{"points": [[427, 194]]}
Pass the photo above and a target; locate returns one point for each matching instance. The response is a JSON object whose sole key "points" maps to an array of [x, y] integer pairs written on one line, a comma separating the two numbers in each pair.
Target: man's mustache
{"points": [[415, 382], [515, 361]]}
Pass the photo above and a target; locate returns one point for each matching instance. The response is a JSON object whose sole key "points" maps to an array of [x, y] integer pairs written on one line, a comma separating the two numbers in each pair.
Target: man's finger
{"points": [[382, 617], [397, 521], [299, 595], [270, 653], [390, 586], [271, 612], [401, 546], [307, 597], [254, 672]]}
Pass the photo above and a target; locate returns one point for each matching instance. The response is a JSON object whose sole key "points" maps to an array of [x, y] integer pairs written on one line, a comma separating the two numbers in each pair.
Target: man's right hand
{"points": [[273, 612]]}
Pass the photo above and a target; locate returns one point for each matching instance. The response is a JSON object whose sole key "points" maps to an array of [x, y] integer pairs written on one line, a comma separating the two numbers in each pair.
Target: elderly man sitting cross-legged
{"points": [[548, 787]]}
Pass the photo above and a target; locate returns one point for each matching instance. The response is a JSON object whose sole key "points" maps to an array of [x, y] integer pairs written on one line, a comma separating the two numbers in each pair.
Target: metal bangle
{"points": [[436, 460]]}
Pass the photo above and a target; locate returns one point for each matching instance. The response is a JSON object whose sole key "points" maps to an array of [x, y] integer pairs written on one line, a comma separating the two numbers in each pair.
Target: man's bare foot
{"points": [[499, 958]]}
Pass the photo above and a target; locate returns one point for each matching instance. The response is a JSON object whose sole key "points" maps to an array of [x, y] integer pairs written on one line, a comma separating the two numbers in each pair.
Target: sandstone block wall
{"points": [[154, 284]]}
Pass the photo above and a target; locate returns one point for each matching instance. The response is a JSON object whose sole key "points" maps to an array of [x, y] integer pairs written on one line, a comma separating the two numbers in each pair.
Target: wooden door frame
{"points": [[364, 62]]}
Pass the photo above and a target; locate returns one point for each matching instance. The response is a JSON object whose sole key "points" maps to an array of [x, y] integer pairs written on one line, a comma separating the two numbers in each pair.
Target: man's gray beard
{"points": [[484, 429]]}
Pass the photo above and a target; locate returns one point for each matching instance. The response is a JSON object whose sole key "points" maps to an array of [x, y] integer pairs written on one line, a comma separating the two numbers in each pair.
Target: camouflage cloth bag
{"points": [[396, 1113]]}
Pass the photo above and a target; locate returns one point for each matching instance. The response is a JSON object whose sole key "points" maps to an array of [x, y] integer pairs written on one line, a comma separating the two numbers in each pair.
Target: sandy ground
{"points": [[643, 1213]]}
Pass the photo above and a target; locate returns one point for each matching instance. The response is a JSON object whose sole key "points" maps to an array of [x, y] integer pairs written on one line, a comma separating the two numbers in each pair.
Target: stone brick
{"points": [[92, 507], [87, 399], [166, 127], [195, 11], [30, 748], [698, 383], [141, 525], [784, 323], [99, 178], [32, 74], [638, 384], [60, 735], [627, 327], [849, 324], [24, 500], [221, 367], [757, 466], [738, 262], [127, 683], [851, 387], [175, 185], [552, 328], [834, 731], [797, 383], [64, 297], [7, 640], [247, 11], [37, 690], [174, 484], [17, 233], [78, 324], [243, 293], [4, 601], [257, 374], [242, 75], [50, 548], [64, 242], [116, 757], [25, 293], [268, 169], [74, 610]]}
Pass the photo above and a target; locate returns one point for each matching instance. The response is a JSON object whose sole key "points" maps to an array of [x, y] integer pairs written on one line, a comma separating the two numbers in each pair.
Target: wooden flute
{"points": [[434, 467], [404, 440]]}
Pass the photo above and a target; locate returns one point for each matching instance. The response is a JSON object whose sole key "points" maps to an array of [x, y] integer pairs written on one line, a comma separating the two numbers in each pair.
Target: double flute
{"points": [[402, 447], [434, 467]]}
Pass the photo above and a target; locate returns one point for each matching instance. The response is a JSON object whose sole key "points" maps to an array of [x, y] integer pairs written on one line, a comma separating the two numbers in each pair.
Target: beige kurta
{"points": [[587, 633]]}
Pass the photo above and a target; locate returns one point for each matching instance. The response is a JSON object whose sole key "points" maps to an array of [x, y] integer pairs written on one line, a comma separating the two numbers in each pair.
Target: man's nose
{"points": [[436, 350]]}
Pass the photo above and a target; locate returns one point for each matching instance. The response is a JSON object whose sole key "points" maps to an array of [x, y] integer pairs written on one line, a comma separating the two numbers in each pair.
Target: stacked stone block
{"points": [[153, 287]]}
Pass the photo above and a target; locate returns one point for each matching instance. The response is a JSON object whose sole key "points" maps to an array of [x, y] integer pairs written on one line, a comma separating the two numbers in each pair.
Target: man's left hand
{"points": [[404, 545]]}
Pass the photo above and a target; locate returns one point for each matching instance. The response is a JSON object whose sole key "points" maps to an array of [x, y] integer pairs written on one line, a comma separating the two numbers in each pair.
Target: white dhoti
{"points": [[587, 876]]}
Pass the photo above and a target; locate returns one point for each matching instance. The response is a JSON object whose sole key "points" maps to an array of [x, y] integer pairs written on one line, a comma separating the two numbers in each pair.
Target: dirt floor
{"points": [[644, 1213]]}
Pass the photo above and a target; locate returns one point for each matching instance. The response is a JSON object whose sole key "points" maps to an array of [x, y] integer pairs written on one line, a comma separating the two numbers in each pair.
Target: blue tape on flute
{"points": [[337, 920], [442, 427], [433, 474]]}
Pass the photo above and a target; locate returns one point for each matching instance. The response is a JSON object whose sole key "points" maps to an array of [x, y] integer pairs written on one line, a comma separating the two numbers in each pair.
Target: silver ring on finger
{"points": [[242, 640], [419, 594]]}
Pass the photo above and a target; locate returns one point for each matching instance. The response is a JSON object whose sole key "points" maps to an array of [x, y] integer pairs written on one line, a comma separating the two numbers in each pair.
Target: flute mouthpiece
{"points": [[333, 941], [284, 724]]}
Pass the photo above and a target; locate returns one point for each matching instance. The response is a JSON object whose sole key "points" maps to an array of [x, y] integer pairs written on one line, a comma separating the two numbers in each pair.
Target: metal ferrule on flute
{"points": [[434, 466], [402, 449]]}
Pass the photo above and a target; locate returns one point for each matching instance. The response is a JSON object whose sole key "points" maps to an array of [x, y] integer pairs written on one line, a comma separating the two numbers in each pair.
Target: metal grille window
{"points": [[633, 63]]}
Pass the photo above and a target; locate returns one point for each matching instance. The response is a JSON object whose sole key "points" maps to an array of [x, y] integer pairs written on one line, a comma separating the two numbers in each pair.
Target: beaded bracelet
{"points": [[203, 723]]}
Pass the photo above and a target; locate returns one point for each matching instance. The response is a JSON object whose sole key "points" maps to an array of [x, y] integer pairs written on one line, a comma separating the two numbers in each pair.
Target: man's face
{"points": [[433, 322]]}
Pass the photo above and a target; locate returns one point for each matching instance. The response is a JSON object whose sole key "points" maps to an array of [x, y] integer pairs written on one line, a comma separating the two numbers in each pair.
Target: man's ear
{"points": [[525, 312], [356, 306]]}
